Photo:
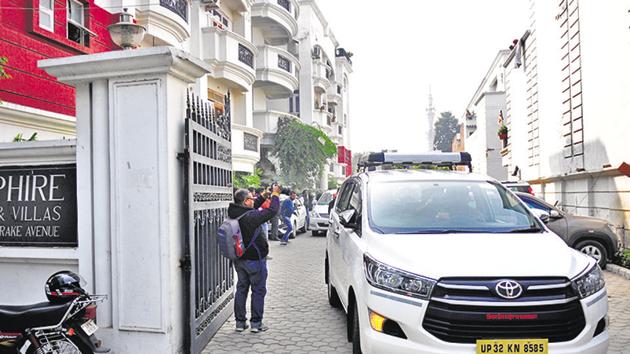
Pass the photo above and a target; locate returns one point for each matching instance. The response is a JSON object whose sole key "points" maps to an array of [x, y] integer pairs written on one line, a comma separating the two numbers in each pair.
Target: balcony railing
{"points": [[286, 4], [284, 63], [179, 7], [245, 55], [250, 142]]}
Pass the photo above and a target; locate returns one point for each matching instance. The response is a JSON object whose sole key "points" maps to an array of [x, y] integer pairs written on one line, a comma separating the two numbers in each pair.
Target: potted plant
{"points": [[503, 132]]}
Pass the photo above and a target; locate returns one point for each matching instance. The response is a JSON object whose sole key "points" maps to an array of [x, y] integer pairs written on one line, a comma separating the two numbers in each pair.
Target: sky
{"points": [[407, 46]]}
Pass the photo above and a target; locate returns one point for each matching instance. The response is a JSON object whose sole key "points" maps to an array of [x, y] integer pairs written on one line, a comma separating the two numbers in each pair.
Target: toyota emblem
{"points": [[508, 289]]}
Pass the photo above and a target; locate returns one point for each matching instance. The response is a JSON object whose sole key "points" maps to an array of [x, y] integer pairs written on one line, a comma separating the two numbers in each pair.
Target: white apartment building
{"points": [[324, 85], [567, 108], [481, 121]]}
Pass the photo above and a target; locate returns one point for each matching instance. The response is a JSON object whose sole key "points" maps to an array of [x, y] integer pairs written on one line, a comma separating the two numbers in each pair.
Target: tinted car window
{"points": [[531, 203], [344, 196]]}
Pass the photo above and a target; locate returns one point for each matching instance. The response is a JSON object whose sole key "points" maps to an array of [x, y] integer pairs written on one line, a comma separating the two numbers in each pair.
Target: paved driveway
{"points": [[301, 321]]}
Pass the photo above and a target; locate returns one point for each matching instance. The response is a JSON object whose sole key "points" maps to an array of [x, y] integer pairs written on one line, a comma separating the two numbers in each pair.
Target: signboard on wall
{"points": [[38, 206]]}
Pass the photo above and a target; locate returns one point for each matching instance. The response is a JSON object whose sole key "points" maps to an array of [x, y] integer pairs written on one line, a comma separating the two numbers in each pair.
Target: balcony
{"points": [[165, 20], [334, 95], [245, 147], [231, 56], [267, 122], [322, 76], [277, 72], [277, 19], [324, 120]]}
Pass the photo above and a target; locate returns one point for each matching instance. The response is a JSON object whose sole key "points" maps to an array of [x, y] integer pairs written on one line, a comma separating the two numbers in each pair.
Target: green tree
{"points": [[446, 128], [3, 73], [246, 180], [302, 151]]}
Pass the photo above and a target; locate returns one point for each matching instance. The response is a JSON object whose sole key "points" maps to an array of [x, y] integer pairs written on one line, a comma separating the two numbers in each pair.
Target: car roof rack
{"points": [[400, 160]]}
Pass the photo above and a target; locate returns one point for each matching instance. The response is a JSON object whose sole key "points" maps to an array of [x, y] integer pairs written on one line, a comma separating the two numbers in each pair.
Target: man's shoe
{"points": [[262, 328], [241, 327], [283, 243]]}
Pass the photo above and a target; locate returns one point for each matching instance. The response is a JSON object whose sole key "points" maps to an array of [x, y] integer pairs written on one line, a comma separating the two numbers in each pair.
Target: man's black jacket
{"points": [[250, 222]]}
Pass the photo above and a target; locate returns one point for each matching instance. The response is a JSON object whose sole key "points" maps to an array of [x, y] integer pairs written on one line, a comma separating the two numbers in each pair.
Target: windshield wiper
{"points": [[525, 230]]}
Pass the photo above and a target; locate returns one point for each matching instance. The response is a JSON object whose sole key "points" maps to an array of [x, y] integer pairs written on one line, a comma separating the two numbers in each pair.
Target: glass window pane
{"points": [[46, 4], [45, 20], [76, 12]]}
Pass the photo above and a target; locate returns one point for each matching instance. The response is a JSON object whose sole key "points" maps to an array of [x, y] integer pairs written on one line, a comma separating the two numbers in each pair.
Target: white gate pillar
{"points": [[130, 119]]}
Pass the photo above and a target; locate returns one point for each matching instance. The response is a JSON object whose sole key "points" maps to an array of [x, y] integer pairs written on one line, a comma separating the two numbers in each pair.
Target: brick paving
{"points": [[297, 312], [301, 321]]}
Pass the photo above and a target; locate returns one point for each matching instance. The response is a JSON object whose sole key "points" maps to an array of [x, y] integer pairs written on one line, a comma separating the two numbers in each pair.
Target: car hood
{"points": [[586, 221], [320, 209], [479, 255]]}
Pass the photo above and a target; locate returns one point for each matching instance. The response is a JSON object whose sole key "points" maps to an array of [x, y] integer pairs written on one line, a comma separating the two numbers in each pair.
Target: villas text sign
{"points": [[38, 206]]}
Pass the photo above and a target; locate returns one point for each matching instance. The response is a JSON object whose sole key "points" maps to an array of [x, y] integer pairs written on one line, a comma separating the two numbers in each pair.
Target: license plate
{"points": [[512, 346], [89, 327]]}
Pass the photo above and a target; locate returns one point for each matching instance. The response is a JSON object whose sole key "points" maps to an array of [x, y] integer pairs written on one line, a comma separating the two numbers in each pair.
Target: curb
{"points": [[624, 272]]}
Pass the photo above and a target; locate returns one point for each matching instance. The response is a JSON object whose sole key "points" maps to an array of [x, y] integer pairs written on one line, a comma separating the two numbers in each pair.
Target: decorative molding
{"points": [[152, 18], [33, 118], [38, 152], [78, 69]]}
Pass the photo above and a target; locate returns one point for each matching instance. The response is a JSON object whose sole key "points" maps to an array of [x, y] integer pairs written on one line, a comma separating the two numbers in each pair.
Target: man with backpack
{"points": [[251, 267]]}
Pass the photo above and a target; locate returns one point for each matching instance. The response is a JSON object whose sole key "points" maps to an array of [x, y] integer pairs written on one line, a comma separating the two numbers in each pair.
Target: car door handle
{"points": [[337, 232]]}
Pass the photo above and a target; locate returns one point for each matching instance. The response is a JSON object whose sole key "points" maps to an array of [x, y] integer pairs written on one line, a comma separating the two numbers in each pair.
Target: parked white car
{"points": [[298, 218], [319, 215], [448, 262]]}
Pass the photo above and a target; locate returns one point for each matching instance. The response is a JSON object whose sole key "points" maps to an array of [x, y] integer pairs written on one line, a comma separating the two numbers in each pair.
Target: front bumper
{"points": [[409, 314], [319, 223]]}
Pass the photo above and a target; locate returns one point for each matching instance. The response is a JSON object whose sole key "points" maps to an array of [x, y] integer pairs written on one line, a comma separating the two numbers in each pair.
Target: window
{"points": [[532, 204], [47, 15], [344, 196], [76, 23], [446, 207], [220, 20]]}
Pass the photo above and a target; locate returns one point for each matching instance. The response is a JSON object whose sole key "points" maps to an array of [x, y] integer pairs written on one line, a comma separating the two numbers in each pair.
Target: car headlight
{"points": [[589, 283], [388, 278]]}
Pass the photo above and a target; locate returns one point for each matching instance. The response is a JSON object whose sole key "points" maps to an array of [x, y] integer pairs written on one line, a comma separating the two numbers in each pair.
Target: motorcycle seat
{"points": [[19, 318]]}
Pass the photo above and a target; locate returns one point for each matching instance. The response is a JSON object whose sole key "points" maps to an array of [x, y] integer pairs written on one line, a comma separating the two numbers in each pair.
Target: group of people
{"points": [[255, 209]]}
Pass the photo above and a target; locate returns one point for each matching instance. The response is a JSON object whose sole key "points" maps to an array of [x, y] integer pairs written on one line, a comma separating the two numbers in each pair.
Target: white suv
{"points": [[448, 262]]}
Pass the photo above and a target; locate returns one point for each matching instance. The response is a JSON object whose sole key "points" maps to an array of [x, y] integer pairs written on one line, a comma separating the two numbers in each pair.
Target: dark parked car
{"points": [[518, 186], [586, 234]]}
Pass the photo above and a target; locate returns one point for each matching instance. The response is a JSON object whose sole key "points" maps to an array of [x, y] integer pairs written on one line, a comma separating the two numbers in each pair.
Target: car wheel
{"points": [[594, 249], [333, 297], [356, 335]]}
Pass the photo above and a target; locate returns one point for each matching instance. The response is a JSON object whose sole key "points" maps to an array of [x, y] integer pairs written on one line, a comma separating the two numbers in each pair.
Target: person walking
{"points": [[308, 204], [251, 268], [287, 209]]}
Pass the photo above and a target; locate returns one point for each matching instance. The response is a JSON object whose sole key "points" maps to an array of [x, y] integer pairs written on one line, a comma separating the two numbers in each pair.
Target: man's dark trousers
{"points": [[250, 274], [275, 223]]}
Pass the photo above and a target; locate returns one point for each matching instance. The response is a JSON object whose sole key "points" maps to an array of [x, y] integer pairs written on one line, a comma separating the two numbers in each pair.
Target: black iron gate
{"points": [[208, 179]]}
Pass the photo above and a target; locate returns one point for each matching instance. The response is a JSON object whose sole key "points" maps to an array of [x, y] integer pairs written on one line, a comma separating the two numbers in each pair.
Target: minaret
{"points": [[430, 122]]}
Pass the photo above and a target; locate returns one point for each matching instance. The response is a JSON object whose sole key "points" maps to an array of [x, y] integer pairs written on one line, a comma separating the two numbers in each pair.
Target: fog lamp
{"points": [[377, 321]]}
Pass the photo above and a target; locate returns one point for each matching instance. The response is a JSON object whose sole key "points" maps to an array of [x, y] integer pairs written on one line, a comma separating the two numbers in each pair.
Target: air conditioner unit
{"points": [[316, 53], [211, 4]]}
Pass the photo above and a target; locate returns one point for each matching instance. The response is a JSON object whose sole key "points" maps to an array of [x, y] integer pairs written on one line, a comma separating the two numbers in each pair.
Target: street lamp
{"points": [[125, 33]]}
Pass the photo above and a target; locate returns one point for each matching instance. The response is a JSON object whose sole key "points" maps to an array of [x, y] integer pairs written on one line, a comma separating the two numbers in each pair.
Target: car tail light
{"points": [[530, 190], [90, 312]]}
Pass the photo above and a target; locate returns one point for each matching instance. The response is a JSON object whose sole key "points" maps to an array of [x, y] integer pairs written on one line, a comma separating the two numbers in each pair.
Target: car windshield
{"points": [[325, 199], [447, 207]]}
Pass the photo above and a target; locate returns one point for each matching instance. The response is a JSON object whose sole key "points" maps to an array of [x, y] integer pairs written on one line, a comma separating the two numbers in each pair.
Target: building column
{"points": [[130, 112]]}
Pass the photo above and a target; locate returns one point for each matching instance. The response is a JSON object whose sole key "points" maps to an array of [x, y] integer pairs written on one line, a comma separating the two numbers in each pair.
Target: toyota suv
{"points": [[433, 261]]}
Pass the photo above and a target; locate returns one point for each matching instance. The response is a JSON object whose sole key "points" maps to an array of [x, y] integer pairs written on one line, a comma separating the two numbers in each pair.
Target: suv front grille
{"points": [[464, 310]]}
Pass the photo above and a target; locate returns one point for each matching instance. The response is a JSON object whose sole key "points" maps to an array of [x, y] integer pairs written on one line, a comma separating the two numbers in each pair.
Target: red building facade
{"points": [[39, 29]]}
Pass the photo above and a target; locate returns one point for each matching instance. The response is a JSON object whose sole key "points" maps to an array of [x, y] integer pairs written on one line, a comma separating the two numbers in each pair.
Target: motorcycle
{"points": [[63, 325]]}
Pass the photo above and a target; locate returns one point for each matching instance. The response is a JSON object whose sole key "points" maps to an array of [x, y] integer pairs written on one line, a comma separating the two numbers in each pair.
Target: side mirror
{"points": [[554, 214], [542, 215], [345, 216]]}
